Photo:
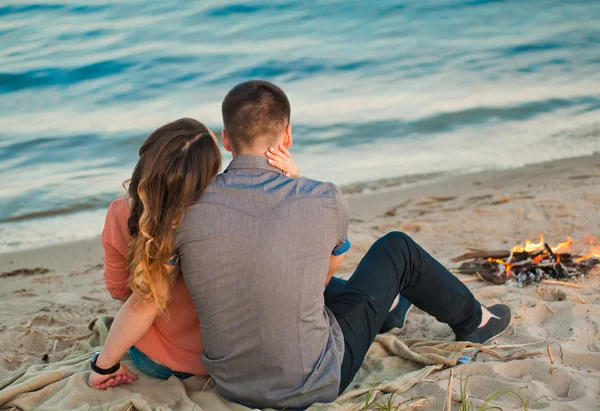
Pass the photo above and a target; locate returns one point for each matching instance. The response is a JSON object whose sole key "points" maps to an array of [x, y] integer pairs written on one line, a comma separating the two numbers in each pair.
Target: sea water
{"points": [[379, 89]]}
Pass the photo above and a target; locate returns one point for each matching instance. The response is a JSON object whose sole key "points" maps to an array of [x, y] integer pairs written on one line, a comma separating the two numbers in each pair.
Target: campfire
{"points": [[532, 262]]}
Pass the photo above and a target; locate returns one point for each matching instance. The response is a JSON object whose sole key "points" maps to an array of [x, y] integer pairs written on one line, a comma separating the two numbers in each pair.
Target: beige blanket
{"points": [[391, 367]]}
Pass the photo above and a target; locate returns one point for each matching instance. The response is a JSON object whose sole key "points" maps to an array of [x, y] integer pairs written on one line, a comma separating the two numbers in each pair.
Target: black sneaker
{"points": [[495, 327], [397, 317]]}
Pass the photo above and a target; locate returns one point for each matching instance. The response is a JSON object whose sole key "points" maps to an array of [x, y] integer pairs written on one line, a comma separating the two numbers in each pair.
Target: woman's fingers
{"points": [[280, 165], [122, 376], [131, 375], [277, 159], [280, 158], [127, 372], [277, 154], [285, 151], [119, 380], [106, 384]]}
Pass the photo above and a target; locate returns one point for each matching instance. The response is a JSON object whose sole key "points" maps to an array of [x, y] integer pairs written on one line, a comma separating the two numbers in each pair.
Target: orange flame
{"points": [[529, 246], [506, 265], [569, 246], [563, 247], [594, 250]]}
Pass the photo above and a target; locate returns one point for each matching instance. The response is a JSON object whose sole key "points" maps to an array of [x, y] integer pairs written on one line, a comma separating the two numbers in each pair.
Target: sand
{"points": [[42, 315]]}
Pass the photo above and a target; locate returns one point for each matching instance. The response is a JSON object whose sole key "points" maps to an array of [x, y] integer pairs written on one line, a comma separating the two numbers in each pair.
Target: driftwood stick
{"points": [[483, 254], [470, 280], [554, 282]]}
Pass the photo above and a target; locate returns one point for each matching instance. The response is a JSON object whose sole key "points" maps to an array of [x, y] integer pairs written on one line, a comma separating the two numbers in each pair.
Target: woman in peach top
{"points": [[157, 324], [175, 342]]}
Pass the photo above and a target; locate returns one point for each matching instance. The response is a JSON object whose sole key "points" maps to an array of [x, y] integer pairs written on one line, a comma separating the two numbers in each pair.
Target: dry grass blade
{"points": [[70, 337], [514, 345], [448, 402], [411, 404], [522, 355], [418, 403], [550, 354], [466, 403], [579, 300], [490, 352]]}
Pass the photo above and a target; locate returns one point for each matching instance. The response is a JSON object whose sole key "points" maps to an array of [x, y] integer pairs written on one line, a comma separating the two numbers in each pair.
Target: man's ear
{"points": [[225, 140], [287, 136]]}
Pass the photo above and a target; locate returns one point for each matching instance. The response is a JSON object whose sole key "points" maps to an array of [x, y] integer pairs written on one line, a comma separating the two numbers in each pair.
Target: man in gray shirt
{"points": [[257, 252]]}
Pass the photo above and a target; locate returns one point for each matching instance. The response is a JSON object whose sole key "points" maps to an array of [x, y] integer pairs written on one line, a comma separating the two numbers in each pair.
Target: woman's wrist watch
{"points": [[104, 371]]}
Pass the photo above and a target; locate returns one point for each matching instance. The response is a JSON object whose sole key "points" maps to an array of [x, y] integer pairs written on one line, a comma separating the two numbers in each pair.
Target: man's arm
{"points": [[342, 223], [334, 263]]}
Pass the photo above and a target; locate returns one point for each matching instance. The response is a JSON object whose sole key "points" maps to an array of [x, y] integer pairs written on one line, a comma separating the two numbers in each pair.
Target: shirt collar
{"points": [[247, 161]]}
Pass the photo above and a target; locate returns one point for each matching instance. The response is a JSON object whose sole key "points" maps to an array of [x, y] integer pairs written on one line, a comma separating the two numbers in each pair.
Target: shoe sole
{"points": [[503, 331], [496, 336], [499, 334]]}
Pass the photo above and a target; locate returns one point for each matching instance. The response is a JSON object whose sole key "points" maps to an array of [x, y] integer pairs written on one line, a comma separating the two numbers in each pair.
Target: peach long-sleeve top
{"points": [[175, 342]]}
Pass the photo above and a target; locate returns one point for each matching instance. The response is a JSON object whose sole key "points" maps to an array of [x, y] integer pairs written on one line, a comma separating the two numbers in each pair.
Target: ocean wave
{"points": [[378, 89], [27, 8], [48, 77], [358, 133], [57, 211]]}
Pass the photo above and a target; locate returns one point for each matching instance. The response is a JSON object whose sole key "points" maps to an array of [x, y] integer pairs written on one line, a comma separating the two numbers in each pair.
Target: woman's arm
{"points": [[116, 273], [131, 323], [115, 238]]}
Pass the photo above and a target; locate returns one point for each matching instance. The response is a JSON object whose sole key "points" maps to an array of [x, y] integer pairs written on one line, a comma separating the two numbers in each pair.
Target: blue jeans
{"points": [[150, 367]]}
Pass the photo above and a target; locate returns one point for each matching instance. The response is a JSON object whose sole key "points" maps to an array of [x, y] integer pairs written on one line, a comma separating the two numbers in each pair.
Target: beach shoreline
{"points": [[43, 314], [368, 198]]}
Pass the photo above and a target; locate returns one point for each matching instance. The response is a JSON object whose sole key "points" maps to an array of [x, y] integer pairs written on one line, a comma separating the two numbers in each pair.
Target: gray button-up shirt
{"points": [[255, 251]]}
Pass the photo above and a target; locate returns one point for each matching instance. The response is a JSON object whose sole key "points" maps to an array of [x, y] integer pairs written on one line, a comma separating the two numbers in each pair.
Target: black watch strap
{"points": [[103, 371]]}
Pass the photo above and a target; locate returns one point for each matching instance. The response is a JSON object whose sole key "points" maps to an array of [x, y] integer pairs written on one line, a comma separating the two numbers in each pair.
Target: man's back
{"points": [[255, 252]]}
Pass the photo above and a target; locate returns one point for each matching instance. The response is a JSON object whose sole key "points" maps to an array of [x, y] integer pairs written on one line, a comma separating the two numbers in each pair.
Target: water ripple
{"points": [[396, 87]]}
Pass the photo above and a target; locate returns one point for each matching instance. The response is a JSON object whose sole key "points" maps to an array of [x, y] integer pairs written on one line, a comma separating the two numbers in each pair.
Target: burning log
{"points": [[473, 254], [532, 262]]}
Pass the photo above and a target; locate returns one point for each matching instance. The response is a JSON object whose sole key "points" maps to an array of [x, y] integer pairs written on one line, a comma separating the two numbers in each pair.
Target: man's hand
{"points": [[102, 382], [281, 158]]}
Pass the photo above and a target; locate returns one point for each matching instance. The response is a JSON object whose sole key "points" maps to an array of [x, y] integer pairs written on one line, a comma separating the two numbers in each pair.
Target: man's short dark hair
{"points": [[255, 113]]}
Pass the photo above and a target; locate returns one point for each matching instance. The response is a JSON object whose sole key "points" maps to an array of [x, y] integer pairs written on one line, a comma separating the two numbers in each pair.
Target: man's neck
{"points": [[261, 153]]}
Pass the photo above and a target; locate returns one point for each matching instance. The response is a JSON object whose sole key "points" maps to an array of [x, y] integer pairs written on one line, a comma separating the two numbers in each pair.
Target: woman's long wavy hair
{"points": [[177, 162]]}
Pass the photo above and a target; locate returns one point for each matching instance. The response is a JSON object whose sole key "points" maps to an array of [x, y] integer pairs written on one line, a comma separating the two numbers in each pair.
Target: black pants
{"points": [[394, 265]]}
